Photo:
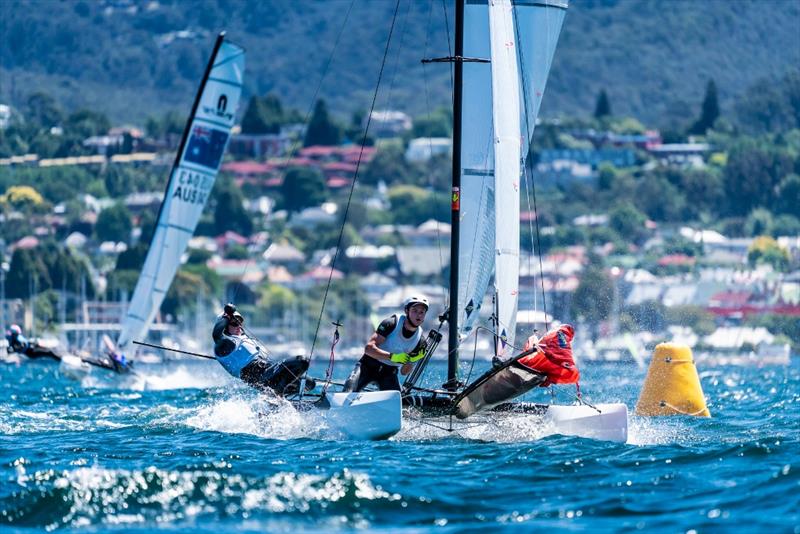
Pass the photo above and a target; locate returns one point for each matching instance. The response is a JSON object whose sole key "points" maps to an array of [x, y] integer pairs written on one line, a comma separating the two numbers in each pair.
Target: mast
{"points": [[455, 213]]}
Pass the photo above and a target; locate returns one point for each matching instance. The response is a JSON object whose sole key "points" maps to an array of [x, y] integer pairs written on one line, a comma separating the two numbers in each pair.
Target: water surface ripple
{"points": [[109, 457]]}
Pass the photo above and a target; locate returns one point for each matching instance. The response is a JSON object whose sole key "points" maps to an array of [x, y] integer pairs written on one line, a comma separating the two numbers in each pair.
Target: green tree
{"points": [[628, 222], [412, 205], [114, 224], [436, 124], [766, 250], [788, 195], [85, 123], [27, 272], [302, 187], [602, 107], [752, 174], [322, 129], [264, 115], [709, 113], [43, 111], [388, 165], [229, 212], [759, 222]]}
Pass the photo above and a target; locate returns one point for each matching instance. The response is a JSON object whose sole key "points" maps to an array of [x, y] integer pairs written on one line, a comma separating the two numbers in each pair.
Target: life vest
{"points": [[396, 342], [554, 357], [244, 352]]}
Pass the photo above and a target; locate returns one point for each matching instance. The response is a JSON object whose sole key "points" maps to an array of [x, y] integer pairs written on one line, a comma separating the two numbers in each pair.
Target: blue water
{"points": [[104, 457]]}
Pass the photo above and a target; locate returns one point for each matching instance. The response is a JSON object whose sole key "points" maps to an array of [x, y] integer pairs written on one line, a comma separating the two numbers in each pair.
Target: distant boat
{"points": [[191, 180]]}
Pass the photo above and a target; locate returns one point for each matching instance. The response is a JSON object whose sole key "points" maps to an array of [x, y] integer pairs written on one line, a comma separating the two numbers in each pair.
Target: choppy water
{"points": [[103, 457]]}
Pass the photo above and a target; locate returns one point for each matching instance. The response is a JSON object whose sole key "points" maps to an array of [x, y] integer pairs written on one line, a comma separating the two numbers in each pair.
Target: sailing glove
{"points": [[416, 356], [400, 357]]}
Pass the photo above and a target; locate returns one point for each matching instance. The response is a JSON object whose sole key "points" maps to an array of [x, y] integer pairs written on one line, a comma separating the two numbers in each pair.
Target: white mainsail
{"points": [[507, 165], [520, 36], [190, 184], [476, 233]]}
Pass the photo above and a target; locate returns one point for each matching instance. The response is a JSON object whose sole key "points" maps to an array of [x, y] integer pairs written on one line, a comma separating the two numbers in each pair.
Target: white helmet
{"points": [[416, 299]]}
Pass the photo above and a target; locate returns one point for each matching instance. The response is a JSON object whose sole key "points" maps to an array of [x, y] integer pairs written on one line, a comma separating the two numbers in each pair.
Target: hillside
{"points": [[125, 57]]}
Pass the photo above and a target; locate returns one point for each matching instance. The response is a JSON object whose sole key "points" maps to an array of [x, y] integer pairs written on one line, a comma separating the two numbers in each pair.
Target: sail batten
{"points": [[191, 180]]}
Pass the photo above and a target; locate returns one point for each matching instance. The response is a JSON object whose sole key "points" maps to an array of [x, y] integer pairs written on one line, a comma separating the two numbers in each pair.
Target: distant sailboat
{"points": [[191, 180]]}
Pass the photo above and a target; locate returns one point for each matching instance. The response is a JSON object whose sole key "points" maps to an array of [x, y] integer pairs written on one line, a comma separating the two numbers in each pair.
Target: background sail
{"points": [[507, 164], [189, 186], [475, 260], [538, 24]]}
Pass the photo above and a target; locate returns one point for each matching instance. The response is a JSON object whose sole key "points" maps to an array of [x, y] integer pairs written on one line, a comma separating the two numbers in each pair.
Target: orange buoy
{"points": [[672, 386]]}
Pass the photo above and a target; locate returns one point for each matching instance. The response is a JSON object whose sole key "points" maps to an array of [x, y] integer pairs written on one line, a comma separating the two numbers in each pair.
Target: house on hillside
{"points": [[422, 149], [388, 123], [285, 255]]}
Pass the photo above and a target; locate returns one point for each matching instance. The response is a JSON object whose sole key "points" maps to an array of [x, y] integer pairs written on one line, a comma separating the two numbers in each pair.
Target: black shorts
{"points": [[282, 377], [372, 370]]}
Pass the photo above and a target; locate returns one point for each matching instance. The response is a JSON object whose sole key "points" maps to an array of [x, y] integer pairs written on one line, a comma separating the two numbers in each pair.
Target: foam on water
{"points": [[95, 495]]}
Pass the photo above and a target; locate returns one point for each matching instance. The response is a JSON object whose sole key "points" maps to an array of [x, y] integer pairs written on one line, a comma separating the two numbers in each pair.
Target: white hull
{"points": [[367, 415], [609, 422]]}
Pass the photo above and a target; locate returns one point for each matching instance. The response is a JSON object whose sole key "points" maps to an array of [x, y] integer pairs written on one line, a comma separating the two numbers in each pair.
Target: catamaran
{"points": [[192, 177], [490, 145]]}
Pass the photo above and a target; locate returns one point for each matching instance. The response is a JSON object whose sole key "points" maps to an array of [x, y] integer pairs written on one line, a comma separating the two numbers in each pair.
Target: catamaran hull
{"points": [[366, 415], [604, 422]]}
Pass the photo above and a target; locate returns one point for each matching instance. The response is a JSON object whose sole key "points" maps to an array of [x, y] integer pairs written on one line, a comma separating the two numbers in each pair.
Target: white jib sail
{"points": [[190, 184], [475, 259], [507, 166]]}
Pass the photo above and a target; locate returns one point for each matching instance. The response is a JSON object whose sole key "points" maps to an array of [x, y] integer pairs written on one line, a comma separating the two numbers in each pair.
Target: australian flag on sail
{"points": [[206, 146]]}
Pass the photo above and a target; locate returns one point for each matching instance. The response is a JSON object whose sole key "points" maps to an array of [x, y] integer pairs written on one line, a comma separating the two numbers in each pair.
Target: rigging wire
{"points": [[310, 109], [430, 143], [355, 178]]}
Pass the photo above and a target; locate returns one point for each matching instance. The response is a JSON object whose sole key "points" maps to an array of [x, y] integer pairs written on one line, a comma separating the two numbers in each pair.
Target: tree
{"points": [[759, 222], [302, 187], [322, 130], [752, 174], [388, 165], [43, 111], [264, 115], [628, 222], [114, 224], [229, 212], [27, 269], [22, 197], [788, 196], [602, 108], [709, 113], [766, 250]]}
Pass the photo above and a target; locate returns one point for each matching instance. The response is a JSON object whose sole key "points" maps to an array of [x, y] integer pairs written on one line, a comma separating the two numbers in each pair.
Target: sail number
{"points": [[192, 187]]}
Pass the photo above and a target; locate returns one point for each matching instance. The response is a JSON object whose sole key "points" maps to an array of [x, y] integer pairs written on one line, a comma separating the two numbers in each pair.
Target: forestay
{"points": [[190, 184]]}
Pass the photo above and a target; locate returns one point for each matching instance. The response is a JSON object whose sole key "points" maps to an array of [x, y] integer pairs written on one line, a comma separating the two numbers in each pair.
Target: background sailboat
{"points": [[191, 180]]}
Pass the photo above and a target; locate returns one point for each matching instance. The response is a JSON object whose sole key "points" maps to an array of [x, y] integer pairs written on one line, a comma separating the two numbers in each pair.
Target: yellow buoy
{"points": [[672, 386]]}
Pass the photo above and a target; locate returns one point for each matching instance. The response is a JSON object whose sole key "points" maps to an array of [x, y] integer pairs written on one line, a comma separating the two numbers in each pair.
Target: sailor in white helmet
{"points": [[396, 344]]}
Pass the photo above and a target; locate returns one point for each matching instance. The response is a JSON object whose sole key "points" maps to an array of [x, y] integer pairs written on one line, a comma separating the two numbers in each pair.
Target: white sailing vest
{"points": [[245, 352], [396, 342]]}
